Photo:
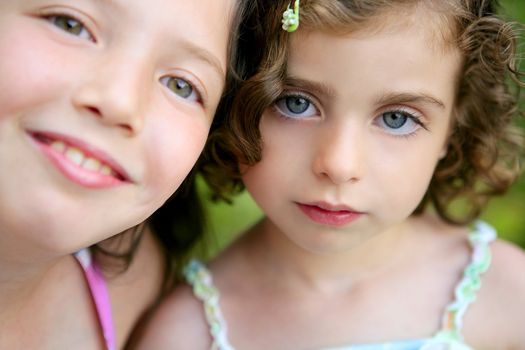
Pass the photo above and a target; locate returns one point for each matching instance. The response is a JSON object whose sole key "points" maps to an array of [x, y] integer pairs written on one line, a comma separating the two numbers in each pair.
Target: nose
{"points": [[115, 92], [340, 154]]}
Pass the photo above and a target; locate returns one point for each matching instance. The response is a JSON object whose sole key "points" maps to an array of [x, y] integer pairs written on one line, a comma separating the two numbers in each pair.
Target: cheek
{"points": [[31, 70], [275, 176], [405, 178], [287, 147], [272, 172], [173, 147], [260, 184]]}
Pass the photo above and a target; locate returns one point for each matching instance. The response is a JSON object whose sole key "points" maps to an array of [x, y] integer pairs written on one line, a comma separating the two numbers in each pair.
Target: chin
{"points": [[324, 246]]}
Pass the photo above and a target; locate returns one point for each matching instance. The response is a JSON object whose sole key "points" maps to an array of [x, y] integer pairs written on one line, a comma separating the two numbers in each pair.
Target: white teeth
{"points": [[79, 158], [58, 146], [91, 164], [75, 155], [105, 170]]}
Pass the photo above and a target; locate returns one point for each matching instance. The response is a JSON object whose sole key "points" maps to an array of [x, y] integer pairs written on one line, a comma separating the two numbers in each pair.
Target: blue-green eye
{"points": [[399, 122], [395, 120], [296, 104], [180, 87], [70, 25], [296, 107]]}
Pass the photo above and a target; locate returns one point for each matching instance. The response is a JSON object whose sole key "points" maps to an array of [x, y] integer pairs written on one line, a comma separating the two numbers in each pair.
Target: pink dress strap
{"points": [[99, 293]]}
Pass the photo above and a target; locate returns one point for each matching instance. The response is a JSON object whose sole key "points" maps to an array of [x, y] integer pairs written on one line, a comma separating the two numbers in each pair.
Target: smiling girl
{"points": [[355, 134], [104, 108]]}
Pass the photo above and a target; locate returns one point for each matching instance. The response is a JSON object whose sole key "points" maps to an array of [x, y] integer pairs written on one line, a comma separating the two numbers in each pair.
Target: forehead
{"points": [[198, 29], [202, 20], [437, 20], [361, 68], [416, 28]]}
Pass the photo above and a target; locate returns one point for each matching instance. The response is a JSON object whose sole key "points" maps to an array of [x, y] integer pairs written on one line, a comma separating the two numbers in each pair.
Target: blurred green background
{"points": [[506, 213]]}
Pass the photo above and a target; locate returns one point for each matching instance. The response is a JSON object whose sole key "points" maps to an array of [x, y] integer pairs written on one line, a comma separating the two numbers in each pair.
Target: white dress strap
{"points": [[199, 277], [466, 290]]}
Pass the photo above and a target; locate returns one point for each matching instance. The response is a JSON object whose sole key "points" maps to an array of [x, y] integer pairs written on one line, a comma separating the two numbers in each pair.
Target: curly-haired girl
{"points": [[357, 133]]}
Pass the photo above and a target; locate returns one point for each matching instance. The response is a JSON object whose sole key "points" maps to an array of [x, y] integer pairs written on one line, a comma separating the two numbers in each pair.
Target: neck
{"points": [[327, 272], [23, 274]]}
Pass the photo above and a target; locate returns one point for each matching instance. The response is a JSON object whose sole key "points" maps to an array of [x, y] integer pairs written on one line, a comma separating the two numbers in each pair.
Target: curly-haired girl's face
{"points": [[350, 147]]}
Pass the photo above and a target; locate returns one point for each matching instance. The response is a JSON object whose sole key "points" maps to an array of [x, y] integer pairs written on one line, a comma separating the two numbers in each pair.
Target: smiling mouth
{"points": [[80, 162]]}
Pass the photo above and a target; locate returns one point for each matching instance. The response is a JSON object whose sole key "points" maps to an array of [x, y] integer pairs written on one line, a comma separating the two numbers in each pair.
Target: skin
{"points": [[293, 283], [109, 82]]}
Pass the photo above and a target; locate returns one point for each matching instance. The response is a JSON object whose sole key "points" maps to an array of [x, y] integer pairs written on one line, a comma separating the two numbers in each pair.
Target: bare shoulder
{"points": [[502, 297], [506, 276], [178, 323]]}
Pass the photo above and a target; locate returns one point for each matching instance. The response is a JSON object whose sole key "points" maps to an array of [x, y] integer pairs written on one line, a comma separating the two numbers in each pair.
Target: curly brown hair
{"points": [[485, 148]]}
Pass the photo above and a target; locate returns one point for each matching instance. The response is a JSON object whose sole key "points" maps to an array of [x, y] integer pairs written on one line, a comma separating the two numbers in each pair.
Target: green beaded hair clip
{"points": [[291, 18]]}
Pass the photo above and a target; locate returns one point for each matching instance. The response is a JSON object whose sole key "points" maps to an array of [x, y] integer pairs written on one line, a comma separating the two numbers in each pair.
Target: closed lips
{"points": [[327, 214]]}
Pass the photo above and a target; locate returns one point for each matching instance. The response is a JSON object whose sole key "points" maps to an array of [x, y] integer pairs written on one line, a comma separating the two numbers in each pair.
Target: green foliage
{"points": [[508, 213]]}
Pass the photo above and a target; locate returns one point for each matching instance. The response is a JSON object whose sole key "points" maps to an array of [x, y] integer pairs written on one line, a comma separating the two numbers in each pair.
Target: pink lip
{"points": [[74, 172], [328, 214]]}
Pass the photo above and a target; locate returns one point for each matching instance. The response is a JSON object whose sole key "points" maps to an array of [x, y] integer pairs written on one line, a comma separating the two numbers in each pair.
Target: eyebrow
{"points": [[204, 55], [387, 98], [314, 87], [408, 97]]}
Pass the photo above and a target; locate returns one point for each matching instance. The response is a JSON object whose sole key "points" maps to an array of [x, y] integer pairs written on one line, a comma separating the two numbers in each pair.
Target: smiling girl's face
{"points": [[350, 147], [105, 106]]}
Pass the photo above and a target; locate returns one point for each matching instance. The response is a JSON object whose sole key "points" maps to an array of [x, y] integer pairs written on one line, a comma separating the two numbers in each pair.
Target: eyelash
{"points": [[409, 115], [403, 111], [52, 17], [195, 90], [298, 95]]}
